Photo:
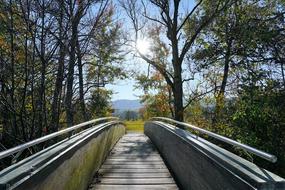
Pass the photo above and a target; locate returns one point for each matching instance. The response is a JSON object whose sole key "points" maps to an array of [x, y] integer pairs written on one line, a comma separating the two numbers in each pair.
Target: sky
{"points": [[124, 89]]}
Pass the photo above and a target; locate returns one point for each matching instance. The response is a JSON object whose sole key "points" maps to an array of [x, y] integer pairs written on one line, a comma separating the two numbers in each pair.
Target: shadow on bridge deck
{"points": [[134, 163]]}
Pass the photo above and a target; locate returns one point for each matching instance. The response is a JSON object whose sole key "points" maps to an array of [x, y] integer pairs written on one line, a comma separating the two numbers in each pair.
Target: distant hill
{"points": [[124, 104]]}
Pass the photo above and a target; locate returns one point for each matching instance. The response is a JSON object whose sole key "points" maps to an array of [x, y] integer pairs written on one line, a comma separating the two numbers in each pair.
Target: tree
{"points": [[172, 21], [45, 52], [238, 55], [76, 13], [231, 42], [157, 97], [258, 117], [129, 115], [105, 63], [55, 107], [99, 104]]}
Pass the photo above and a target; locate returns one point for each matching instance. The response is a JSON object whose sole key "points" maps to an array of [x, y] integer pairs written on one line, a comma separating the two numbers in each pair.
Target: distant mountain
{"points": [[124, 104]]}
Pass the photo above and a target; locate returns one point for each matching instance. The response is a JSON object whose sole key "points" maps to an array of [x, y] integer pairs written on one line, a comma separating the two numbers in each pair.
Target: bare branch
{"points": [[189, 42], [162, 71], [189, 15]]}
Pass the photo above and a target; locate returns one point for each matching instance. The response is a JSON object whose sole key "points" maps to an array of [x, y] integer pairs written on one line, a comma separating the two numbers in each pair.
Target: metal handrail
{"points": [[21, 147], [260, 153]]}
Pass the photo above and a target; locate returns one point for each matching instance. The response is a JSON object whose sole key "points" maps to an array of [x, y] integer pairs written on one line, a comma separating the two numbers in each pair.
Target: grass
{"points": [[134, 126]]}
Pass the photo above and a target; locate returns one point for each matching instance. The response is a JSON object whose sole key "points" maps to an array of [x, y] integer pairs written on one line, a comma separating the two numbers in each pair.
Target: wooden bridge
{"points": [[134, 163], [99, 154]]}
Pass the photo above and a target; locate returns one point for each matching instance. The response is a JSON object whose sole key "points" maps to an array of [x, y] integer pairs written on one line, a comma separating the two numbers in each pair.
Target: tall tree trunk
{"points": [[32, 131], [41, 101], [220, 98], [12, 69], [55, 107], [75, 19], [70, 76], [81, 88], [178, 95], [177, 80], [23, 106]]}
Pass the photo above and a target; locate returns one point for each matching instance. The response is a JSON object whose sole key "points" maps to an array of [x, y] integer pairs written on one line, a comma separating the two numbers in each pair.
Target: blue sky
{"points": [[124, 89]]}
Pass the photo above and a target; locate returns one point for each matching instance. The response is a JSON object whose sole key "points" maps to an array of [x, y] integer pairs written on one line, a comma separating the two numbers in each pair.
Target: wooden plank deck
{"points": [[134, 163]]}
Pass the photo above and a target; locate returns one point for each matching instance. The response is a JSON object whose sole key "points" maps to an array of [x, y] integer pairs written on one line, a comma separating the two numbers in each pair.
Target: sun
{"points": [[143, 46]]}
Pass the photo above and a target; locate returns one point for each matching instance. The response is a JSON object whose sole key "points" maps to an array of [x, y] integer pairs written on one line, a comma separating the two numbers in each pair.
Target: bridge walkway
{"points": [[134, 163]]}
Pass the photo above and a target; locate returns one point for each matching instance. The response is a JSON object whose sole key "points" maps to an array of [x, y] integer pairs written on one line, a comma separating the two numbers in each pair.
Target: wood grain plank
{"points": [[135, 187], [142, 166], [134, 163], [115, 170], [136, 175], [137, 181]]}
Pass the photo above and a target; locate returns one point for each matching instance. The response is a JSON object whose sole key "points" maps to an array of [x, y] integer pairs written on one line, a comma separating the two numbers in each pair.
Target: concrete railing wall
{"points": [[197, 164], [67, 165]]}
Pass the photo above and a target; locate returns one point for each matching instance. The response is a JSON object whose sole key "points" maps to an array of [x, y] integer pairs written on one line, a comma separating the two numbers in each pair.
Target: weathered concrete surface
{"points": [[198, 164], [67, 165]]}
